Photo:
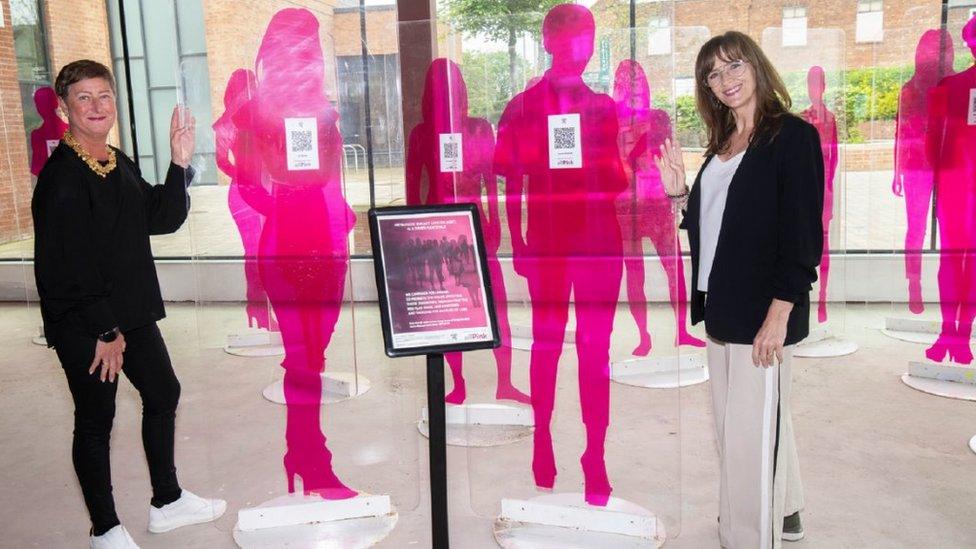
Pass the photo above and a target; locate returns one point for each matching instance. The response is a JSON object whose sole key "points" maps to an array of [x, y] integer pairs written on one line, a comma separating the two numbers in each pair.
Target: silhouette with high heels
{"points": [[914, 174], [952, 134], [289, 136], [821, 118], [240, 89], [644, 210], [468, 170]]}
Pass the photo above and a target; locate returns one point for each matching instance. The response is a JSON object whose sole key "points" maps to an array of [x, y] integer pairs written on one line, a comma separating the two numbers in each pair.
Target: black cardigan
{"points": [[771, 237], [92, 260]]}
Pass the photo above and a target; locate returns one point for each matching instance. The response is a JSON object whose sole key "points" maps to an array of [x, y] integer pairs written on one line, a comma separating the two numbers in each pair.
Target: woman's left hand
{"points": [[768, 344], [182, 136]]}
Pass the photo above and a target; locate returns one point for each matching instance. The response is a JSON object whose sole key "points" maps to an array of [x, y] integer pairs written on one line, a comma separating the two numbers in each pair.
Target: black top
{"points": [[771, 237], [92, 259]]}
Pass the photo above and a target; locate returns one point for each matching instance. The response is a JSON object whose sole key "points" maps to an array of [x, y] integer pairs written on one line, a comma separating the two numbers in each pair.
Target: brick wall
{"points": [[76, 29], [831, 37], [15, 177], [381, 31]]}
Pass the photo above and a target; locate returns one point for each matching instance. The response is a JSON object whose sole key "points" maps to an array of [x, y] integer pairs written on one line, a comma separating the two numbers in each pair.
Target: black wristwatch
{"points": [[109, 336]]}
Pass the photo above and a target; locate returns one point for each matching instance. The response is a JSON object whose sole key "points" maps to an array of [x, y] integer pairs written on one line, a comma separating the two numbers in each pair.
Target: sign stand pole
{"points": [[437, 448]]}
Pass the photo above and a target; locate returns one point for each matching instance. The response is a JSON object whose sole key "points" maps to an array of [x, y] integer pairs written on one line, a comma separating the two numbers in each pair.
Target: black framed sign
{"points": [[432, 279]]}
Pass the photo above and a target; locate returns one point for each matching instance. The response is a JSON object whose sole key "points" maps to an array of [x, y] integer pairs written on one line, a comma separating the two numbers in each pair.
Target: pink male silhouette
{"points": [[240, 89], [913, 171], [572, 240], [952, 146], [822, 119], [288, 134], [445, 112], [644, 210], [49, 133]]}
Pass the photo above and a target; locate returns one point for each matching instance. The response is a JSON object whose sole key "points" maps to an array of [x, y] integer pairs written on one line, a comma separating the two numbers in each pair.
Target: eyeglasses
{"points": [[734, 69]]}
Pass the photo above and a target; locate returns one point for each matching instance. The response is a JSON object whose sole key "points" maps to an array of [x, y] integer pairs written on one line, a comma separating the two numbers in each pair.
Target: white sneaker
{"points": [[116, 538], [189, 509]]}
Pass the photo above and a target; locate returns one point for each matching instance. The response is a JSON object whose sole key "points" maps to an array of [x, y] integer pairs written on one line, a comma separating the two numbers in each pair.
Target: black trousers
{"points": [[146, 364]]}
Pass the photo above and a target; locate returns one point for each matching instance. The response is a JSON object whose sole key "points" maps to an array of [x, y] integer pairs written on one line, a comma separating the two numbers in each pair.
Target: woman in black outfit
{"points": [[100, 299], [753, 219]]}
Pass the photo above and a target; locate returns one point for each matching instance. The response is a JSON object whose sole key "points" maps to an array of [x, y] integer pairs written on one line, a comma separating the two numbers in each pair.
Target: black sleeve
{"points": [[167, 205], [800, 223], [65, 260]]}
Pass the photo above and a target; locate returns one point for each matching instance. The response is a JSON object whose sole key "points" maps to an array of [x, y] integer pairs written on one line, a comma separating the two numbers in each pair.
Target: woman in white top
{"points": [[754, 225]]}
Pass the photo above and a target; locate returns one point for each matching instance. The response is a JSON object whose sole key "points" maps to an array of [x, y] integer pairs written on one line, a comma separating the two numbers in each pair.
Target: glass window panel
{"points": [[160, 37], [870, 26], [659, 36], [193, 36]]}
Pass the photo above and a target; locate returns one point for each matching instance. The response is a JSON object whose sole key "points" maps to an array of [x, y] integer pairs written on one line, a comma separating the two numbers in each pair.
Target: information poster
{"points": [[434, 284]]}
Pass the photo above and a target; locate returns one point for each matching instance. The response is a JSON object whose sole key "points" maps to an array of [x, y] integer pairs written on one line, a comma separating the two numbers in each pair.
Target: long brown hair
{"points": [[773, 101]]}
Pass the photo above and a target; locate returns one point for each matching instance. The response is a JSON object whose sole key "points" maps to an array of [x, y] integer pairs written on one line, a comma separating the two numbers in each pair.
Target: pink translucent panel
{"points": [[50, 131], [913, 170], [445, 115], [240, 90], [296, 218], [951, 135], [572, 242], [644, 210], [820, 116]]}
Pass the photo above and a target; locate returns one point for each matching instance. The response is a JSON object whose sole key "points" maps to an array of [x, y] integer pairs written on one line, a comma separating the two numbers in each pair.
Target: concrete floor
{"points": [[883, 465]]}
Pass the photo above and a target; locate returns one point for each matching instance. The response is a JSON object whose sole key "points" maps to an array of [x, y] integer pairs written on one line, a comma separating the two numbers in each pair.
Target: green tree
{"points": [[485, 74], [500, 20]]}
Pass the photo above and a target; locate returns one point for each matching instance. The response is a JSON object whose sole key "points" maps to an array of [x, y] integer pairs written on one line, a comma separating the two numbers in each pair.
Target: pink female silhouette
{"points": [[45, 138], [558, 141], [240, 89], [644, 210], [913, 171], [822, 119], [456, 152], [952, 135], [288, 134]]}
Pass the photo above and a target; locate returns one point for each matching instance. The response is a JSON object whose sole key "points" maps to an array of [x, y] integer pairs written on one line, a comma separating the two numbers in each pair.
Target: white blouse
{"points": [[715, 182]]}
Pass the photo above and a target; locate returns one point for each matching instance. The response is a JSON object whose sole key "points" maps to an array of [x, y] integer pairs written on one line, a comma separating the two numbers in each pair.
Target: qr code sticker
{"points": [[564, 138], [301, 141], [450, 150]]}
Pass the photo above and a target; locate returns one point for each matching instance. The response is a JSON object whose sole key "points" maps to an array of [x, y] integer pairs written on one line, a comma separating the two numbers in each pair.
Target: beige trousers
{"points": [[759, 466]]}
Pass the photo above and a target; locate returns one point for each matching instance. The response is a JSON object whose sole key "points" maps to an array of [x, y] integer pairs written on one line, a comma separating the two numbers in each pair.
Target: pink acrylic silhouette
{"points": [[572, 241], [822, 119], [240, 89], [459, 177], [644, 210], [914, 176], [288, 135], [952, 146], [45, 138]]}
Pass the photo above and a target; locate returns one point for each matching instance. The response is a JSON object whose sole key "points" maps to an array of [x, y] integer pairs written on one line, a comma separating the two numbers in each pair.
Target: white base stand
{"points": [[482, 425], [522, 336], [335, 388], [821, 344], [972, 444], [565, 521], [255, 343], [912, 330], [312, 522], [943, 380], [39, 339], [666, 372]]}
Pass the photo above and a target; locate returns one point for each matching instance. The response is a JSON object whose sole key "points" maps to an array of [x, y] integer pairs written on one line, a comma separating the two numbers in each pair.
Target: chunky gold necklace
{"points": [[95, 166]]}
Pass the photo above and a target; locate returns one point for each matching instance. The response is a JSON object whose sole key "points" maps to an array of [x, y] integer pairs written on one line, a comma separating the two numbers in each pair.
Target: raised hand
{"points": [[671, 165], [182, 136]]}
